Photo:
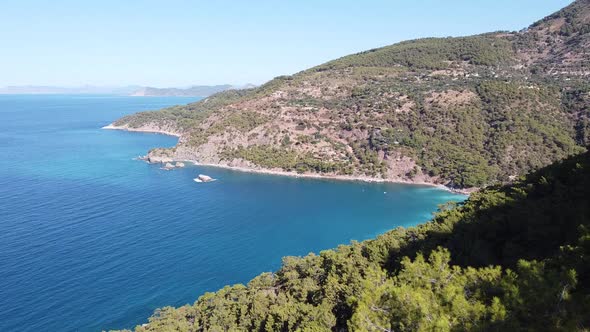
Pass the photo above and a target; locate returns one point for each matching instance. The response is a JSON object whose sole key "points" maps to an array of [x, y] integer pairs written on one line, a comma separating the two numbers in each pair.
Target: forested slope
{"points": [[464, 112], [513, 257]]}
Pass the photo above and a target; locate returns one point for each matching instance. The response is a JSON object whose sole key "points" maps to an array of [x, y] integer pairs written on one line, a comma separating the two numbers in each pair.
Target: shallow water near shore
{"points": [[92, 239]]}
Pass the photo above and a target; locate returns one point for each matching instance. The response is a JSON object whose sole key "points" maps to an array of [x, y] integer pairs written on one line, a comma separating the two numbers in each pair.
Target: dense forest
{"points": [[464, 112], [514, 257]]}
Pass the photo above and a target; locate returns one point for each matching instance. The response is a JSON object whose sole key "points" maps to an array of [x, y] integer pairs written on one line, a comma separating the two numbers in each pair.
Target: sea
{"points": [[93, 239]]}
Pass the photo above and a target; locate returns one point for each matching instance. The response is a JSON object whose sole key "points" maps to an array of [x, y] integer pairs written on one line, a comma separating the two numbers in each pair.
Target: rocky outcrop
{"points": [[204, 178], [146, 128], [162, 156], [168, 166], [158, 159]]}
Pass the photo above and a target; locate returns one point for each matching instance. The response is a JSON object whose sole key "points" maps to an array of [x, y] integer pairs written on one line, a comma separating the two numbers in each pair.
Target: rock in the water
{"points": [[179, 164], [168, 166], [203, 178]]}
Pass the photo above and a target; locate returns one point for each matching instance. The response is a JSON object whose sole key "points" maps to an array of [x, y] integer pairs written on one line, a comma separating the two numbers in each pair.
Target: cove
{"points": [[92, 239]]}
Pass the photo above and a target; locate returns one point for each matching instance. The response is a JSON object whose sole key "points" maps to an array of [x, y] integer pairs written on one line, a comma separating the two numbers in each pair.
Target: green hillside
{"points": [[480, 111], [464, 112], [511, 257]]}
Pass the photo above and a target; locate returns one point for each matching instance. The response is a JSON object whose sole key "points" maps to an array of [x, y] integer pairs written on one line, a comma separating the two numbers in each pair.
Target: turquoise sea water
{"points": [[91, 239]]}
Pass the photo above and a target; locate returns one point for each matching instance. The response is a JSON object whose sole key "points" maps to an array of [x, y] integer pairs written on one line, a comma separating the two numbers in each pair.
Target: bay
{"points": [[92, 239]]}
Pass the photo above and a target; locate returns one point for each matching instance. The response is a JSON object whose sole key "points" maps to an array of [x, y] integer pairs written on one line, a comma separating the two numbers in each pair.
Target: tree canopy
{"points": [[514, 257]]}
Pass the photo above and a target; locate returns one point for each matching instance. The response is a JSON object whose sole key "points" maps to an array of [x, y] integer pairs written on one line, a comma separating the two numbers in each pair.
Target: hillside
{"points": [[464, 112], [509, 258]]}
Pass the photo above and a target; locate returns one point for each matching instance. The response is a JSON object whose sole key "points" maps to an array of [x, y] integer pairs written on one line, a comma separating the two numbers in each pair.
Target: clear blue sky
{"points": [[178, 43]]}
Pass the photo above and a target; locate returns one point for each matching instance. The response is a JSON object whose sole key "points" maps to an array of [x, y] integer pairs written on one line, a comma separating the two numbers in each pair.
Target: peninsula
{"points": [[463, 112]]}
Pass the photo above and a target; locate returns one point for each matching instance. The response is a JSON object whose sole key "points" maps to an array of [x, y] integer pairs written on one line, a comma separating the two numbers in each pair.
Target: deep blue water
{"points": [[91, 239]]}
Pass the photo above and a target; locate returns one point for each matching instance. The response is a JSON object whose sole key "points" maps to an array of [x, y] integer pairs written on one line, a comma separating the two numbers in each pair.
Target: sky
{"points": [[167, 43]]}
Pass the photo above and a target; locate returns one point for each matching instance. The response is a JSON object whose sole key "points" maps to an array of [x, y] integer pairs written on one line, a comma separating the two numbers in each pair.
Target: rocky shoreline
{"points": [[142, 130], [170, 160], [334, 177]]}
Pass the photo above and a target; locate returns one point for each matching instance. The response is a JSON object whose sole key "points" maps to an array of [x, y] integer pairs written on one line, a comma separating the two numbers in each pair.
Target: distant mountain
{"points": [[194, 91], [464, 111], [87, 89], [131, 90]]}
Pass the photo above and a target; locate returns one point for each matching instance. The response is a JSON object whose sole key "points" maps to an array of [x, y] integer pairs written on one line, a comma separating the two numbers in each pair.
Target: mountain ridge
{"points": [[460, 111]]}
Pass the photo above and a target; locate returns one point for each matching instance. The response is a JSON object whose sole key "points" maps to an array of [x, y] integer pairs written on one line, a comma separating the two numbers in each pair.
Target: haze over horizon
{"points": [[179, 43]]}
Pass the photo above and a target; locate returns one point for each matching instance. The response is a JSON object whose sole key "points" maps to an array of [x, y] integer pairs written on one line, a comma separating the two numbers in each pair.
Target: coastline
{"points": [[367, 179], [331, 177], [140, 130]]}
